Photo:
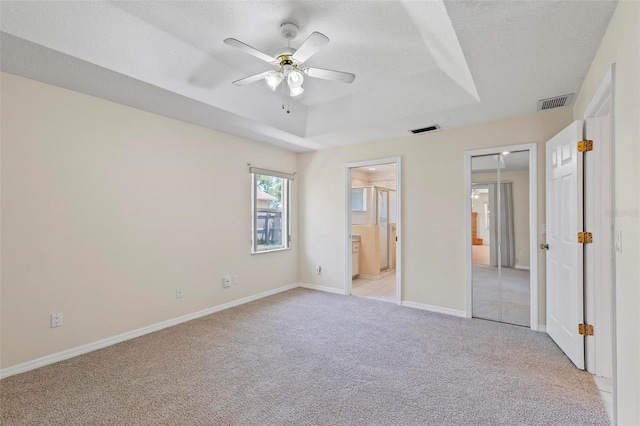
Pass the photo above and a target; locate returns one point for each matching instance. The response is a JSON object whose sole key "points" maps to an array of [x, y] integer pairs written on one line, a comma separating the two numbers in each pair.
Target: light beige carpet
{"points": [[310, 358]]}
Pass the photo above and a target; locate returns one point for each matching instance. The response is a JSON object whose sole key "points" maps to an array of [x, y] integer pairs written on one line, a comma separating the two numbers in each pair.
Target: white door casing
{"points": [[565, 292], [597, 219], [397, 211]]}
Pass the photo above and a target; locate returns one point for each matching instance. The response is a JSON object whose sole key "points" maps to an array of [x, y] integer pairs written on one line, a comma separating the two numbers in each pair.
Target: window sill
{"points": [[270, 251]]}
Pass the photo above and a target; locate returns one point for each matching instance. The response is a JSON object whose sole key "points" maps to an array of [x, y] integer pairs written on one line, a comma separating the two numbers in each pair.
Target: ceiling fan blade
{"points": [[252, 78], [311, 45], [343, 77], [250, 50]]}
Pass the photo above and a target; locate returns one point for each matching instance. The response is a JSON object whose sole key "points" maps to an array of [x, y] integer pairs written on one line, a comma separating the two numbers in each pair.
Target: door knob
{"points": [[544, 246]]}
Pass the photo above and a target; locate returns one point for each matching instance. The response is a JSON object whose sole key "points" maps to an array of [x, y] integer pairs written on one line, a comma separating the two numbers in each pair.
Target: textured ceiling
{"points": [[417, 63]]}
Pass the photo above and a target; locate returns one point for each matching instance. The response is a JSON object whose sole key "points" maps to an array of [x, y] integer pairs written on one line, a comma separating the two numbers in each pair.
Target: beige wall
{"points": [[107, 209], [359, 178], [621, 45], [379, 178], [520, 188], [433, 208]]}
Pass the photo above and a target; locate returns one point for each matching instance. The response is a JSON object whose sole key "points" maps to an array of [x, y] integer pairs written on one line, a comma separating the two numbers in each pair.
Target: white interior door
{"points": [[565, 305]]}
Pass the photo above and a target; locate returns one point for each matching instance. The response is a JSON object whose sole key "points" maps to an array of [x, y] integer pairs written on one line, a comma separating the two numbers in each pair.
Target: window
{"points": [[358, 200], [270, 207]]}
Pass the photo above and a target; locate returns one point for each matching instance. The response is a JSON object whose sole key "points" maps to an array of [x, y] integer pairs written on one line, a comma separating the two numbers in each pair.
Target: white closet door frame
{"points": [[533, 225]]}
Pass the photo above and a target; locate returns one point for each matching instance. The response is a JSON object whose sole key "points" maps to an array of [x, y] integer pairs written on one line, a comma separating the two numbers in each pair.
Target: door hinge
{"points": [[585, 329], [585, 238], [585, 145]]}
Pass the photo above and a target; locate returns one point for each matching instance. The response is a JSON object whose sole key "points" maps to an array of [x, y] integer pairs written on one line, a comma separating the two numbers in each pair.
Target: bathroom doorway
{"points": [[373, 225]]}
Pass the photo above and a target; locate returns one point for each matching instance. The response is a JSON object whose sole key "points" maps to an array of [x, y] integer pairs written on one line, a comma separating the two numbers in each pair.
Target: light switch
{"points": [[619, 241]]}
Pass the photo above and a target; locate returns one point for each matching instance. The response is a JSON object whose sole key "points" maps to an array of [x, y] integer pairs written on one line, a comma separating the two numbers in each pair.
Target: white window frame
{"points": [[286, 206]]}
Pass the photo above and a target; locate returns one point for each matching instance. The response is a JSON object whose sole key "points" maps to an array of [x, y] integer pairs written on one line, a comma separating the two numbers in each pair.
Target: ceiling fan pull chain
{"points": [[288, 99]]}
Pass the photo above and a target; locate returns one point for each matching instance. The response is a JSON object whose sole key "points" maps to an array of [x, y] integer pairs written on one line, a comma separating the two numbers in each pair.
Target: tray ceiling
{"points": [[416, 63]]}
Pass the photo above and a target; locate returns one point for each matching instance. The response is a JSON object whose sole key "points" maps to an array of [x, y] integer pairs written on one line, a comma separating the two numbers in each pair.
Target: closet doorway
{"points": [[501, 205], [373, 228]]}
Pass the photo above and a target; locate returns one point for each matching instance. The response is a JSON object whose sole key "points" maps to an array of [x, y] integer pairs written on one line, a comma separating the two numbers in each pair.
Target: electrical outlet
{"points": [[178, 292], [56, 320], [226, 281], [236, 280], [619, 241], [318, 270]]}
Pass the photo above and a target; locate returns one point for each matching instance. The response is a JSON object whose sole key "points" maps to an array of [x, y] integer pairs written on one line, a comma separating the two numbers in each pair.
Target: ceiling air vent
{"points": [[425, 129], [557, 102]]}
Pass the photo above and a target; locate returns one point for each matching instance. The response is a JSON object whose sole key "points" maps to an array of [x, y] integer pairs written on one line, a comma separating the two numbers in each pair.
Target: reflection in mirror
{"points": [[486, 284], [500, 237]]}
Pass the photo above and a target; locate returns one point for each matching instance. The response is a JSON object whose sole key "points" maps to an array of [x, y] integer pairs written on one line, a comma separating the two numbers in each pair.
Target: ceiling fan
{"points": [[289, 61]]}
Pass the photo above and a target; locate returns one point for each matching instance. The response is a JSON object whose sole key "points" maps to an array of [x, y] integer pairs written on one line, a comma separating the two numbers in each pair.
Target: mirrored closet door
{"points": [[500, 237]]}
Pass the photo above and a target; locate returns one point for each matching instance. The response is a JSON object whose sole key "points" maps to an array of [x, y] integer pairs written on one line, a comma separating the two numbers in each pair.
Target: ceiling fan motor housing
{"points": [[288, 30]]}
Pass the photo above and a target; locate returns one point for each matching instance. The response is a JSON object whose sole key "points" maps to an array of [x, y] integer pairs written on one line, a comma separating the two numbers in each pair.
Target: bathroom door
{"points": [[383, 225]]}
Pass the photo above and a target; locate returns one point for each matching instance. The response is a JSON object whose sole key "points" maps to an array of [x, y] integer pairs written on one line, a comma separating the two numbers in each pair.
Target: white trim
{"points": [[468, 265], [398, 270], [270, 250], [286, 212], [533, 235], [259, 171], [348, 247], [322, 288], [542, 328], [436, 309], [613, 253], [89, 347], [602, 95], [523, 267], [605, 95], [533, 224]]}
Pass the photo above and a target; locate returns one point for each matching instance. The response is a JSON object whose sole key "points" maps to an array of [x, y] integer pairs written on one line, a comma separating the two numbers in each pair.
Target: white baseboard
{"points": [[522, 267], [89, 347], [542, 328], [431, 308], [322, 288]]}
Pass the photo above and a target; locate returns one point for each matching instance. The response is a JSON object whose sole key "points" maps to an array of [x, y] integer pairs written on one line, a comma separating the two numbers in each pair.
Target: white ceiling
{"points": [[417, 63]]}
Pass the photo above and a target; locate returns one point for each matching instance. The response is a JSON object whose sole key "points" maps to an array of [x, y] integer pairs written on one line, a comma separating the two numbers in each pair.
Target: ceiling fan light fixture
{"points": [[295, 91], [274, 79], [295, 79]]}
